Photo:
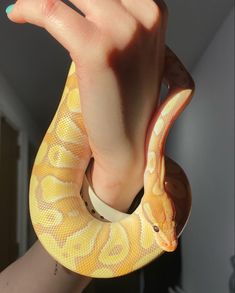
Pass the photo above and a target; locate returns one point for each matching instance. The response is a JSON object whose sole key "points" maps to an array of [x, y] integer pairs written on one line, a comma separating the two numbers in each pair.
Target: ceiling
{"points": [[36, 66]]}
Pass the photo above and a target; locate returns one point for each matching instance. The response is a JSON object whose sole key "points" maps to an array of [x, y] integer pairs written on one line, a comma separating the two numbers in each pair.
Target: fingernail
{"points": [[9, 8]]}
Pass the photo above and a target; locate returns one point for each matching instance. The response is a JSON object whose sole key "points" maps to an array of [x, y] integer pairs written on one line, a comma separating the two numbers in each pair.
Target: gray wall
{"points": [[12, 107], [202, 141]]}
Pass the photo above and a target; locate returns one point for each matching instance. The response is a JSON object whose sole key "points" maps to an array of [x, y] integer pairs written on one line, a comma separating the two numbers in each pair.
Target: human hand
{"points": [[118, 49]]}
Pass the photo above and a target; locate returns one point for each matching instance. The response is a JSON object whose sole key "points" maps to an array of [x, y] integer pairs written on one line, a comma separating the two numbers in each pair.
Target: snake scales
{"points": [[63, 224]]}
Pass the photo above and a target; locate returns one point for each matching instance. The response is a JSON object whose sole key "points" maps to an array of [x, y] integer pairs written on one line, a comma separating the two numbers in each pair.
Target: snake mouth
{"points": [[167, 246], [172, 246]]}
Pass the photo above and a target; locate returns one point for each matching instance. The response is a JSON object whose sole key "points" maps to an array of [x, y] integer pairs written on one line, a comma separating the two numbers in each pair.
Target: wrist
{"points": [[118, 189]]}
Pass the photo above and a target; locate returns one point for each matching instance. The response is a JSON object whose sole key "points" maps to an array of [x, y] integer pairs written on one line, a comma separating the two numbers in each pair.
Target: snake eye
{"points": [[155, 228]]}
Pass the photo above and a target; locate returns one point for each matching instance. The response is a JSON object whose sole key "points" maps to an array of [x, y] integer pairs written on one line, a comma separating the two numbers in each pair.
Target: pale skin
{"points": [[118, 48]]}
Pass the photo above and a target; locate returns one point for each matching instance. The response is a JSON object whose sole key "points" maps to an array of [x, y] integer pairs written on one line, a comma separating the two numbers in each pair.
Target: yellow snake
{"points": [[63, 224]]}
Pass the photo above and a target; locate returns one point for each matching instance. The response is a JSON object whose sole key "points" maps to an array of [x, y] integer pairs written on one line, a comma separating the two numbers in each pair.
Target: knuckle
{"points": [[161, 9], [48, 7], [130, 29], [132, 26], [123, 33], [153, 16]]}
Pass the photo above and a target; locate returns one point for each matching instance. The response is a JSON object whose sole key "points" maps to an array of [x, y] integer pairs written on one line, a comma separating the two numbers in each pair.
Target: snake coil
{"points": [[64, 226]]}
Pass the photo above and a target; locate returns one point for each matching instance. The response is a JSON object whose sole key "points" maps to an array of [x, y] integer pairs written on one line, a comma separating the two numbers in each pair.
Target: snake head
{"points": [[159, 211]]}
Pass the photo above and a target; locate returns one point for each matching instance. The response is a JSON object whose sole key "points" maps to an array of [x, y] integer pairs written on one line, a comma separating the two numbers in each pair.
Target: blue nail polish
{"points": [[9, 8]]}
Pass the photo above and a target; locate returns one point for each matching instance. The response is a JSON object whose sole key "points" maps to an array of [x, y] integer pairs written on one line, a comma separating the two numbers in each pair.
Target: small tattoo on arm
{"points": [[56, 268]]}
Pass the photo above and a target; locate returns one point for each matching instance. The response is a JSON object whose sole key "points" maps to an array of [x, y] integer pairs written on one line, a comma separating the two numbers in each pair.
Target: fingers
{"points": [[84, 5], [67, 26], [146, 12], [111, 17], [118, 17], [100, 9]]}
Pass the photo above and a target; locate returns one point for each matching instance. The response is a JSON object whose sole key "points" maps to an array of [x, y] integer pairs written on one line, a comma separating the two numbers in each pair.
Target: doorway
{"points": [[9, 155]]}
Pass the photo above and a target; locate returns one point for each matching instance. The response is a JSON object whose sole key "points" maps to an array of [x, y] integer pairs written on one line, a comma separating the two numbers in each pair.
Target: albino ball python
{"points": [[62, 222]]}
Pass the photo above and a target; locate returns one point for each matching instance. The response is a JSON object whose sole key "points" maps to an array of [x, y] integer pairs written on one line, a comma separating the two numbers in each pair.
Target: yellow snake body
{"points": [[63, 224]]}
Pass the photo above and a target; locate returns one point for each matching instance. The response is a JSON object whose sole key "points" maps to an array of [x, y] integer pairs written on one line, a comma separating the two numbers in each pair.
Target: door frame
{"points": [[22, 185]]}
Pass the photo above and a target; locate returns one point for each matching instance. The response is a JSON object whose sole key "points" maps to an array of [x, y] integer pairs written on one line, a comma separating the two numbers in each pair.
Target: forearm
{"points": [[37, 272]]}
